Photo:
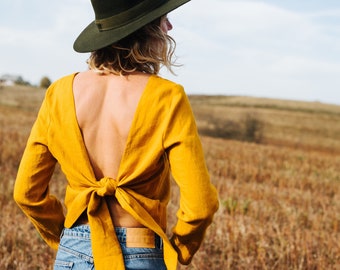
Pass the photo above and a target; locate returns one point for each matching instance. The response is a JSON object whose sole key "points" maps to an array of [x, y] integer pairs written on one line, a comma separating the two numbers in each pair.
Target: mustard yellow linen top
{"points": [[163, 139]]}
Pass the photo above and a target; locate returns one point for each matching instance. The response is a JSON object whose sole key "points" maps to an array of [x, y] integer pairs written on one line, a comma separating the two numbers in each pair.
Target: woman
{"points": [[118, 130]]}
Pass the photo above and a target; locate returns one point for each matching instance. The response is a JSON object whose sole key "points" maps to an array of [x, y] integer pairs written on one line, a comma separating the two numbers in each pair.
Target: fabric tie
{"points": [[105, 245], [107, 187]]}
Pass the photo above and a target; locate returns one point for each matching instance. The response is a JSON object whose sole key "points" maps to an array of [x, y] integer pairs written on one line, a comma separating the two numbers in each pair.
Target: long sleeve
{"points": [[31, 189], [198, 197]]}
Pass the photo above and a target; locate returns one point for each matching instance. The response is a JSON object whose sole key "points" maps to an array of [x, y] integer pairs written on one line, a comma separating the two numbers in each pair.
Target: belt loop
{"points": [[158, 241], [62, 233]]}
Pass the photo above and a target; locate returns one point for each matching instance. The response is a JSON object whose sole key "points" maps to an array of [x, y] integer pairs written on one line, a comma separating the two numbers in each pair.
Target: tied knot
{"points": [[108, 186]]}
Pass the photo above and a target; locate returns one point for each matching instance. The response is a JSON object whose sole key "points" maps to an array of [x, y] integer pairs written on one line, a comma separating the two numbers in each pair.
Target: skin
{"points": [[105, 107], [165, 24]]}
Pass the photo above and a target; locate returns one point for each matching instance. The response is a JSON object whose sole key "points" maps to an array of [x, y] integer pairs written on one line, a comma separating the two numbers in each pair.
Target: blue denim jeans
{"points": [[75, 251]]}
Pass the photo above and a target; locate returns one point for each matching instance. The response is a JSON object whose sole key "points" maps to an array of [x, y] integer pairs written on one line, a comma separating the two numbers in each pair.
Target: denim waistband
{"points": [[83, 231]]}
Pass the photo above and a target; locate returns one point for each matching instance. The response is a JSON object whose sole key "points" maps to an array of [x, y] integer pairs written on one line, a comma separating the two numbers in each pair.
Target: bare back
{"points": [[105, 108]]}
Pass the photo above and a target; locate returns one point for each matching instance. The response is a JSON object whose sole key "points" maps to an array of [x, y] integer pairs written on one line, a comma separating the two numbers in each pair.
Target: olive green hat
{"points": [[116, 19]]}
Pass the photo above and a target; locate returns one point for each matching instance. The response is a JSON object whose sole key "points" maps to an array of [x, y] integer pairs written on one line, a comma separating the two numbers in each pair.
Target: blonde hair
{"points": [[146, 50]]}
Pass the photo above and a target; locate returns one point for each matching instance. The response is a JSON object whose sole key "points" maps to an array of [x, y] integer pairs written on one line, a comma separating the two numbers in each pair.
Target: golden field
{"points": [[275, 163]]}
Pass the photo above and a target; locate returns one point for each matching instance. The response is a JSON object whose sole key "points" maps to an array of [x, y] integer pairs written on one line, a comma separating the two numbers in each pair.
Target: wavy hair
{"points": [[146, 50]]}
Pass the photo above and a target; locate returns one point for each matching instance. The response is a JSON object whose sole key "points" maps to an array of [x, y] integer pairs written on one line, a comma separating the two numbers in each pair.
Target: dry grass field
{"points": [[276, 165]]}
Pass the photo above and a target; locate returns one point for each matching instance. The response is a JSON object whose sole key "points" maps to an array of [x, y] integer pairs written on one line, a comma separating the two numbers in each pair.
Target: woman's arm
{"points": [[31, 189], [198, 197]]}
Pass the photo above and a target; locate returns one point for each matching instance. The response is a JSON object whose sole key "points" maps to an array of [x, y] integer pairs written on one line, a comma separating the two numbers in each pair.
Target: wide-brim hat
{"points": [[116, 19]]}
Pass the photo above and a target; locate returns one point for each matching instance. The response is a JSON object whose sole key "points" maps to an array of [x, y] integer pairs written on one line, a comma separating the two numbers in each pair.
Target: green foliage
{"points": [[21, 81], [249, 129], [233, 205], [45, 82], [253, 129]]}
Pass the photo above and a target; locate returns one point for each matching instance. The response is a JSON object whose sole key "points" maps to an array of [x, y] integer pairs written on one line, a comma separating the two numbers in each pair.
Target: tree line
{"points": [[45, 82]]}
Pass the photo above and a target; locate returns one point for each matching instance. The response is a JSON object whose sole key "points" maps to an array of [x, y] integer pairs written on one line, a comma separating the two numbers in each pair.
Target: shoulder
{"points": [[166, 88], [60, 85], [163, 82], [60, 91], [63, 81], [167, 96]]}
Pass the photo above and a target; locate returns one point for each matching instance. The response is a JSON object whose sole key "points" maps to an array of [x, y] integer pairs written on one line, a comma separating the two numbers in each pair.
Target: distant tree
{"points": [[45, 82], [19, 80]]}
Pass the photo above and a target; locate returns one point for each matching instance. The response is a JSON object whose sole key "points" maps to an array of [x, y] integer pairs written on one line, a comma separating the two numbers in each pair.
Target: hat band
{"points": [[128, 15]]}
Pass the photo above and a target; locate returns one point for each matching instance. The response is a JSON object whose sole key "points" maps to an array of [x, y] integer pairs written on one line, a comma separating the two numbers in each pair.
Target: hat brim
{"points": [[91, 39]]}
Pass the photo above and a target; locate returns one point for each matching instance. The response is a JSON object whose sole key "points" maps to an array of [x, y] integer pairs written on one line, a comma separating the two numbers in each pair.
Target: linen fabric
{"points": [[163, 138]]}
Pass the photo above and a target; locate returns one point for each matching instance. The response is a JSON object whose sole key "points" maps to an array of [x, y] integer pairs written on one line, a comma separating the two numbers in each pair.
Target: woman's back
{"points": [[105, 108]]}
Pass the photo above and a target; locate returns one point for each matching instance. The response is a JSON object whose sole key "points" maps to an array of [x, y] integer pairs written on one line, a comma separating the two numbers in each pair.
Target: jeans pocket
{"points": [[72, 259]]}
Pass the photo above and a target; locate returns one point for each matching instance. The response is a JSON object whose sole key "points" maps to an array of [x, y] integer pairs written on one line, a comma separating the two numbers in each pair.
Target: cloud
{"points": [[40, 39], [258, 48], [287, 49]]}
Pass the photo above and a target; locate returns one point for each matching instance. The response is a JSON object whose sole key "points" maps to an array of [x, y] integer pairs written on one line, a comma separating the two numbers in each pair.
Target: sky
{"points": [[283, 49]]}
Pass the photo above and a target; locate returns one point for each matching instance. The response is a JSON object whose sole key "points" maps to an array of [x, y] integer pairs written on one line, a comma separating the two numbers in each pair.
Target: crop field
{"points": [[275, 163]]}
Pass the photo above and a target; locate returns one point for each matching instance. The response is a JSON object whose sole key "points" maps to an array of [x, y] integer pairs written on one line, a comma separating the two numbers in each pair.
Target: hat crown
{"points": [[108, 8], [115, 14]]}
